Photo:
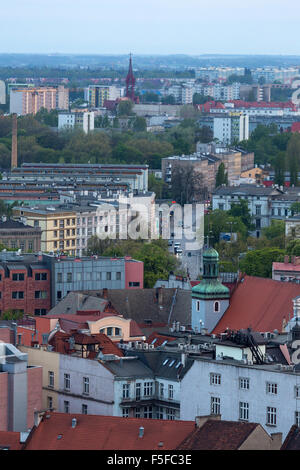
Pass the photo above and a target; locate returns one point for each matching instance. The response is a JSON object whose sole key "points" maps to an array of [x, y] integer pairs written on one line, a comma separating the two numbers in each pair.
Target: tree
{"points": [[201, 99], [97, 245], [295, 208], [11, 315], [275, 233], [218, 221], [241, 210], [205, 134], [279, 166], [187, 185], [125, 108], [293, 247], [169, 99], [259, 262], [139, 124], [221, 176], [293, 152], [158, 186]]}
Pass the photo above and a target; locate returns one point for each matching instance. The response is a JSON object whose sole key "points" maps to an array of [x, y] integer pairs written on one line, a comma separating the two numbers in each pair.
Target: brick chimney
{"points": [[14, 143], [286, 259], [201, 420], [104, 293]]}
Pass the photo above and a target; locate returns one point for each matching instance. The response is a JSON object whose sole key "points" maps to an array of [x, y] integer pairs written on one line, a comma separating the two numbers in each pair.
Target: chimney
{"points": [[201, 420], [141, 432], [286, 259], [183, 358], [40, 256], [14, 143], [276, 441], [74, 423], [294, 260], [160, 296], [104, 293]]}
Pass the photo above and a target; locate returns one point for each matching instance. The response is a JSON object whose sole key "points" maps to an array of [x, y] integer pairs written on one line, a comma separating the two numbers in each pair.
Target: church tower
{"points": [[130, 82], [210, 298]]}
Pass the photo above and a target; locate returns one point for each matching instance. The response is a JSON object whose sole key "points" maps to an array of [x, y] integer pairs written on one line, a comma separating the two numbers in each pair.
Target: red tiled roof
{"points": [[218, 435], [106, 433], [286, 267], [60, 343], [134, 329], [10, 439], [259, 303], [159, 339]]}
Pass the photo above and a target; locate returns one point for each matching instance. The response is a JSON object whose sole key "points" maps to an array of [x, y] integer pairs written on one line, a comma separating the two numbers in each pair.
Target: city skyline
{"points": [[155, 28]]}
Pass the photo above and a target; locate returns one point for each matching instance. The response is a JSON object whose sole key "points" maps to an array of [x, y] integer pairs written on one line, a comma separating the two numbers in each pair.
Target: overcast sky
{"points": [[150, 26]]}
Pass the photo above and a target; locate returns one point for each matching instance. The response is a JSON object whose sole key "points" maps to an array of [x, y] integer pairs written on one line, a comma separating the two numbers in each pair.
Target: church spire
{"points": [[130, 81]]}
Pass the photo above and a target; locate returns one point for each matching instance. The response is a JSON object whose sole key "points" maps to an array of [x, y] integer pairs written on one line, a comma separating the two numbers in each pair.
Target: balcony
{"points": [[145, 400]]}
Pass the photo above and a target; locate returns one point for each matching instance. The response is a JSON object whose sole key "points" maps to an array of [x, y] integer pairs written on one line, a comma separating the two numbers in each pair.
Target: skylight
{"points": [[165, 362], [172, 362]]}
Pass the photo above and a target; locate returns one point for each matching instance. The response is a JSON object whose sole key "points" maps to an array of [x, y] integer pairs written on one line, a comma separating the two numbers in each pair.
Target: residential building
{"points": [[16, 235], [98, 94], [292, 226], [108, 433], [20, 389], [288, 271], [24, 284], [62, 97], [230, 128], [30, 100], [57, 224], [2, 92], [83, 120]]}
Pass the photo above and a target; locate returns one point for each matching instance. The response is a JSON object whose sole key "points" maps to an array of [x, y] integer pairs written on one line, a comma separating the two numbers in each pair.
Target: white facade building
{"points": [[2, 92], [78, 119]]}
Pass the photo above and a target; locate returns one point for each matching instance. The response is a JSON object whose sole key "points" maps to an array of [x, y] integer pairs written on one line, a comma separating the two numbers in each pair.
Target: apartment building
{"points": [[24, 284], [2, 92], [20, 390], [233, 127], [98, 94], [16, 235], [57, 224], [83, 120], [30, 100]]}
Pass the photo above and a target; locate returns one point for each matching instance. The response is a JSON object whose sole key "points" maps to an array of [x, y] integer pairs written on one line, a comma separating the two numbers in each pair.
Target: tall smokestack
{"points": [[14, 144]]}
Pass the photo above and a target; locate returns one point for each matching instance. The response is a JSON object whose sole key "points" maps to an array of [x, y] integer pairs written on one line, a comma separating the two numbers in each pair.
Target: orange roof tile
{"points": [[106, 433], [259, 303], [10, 440]]}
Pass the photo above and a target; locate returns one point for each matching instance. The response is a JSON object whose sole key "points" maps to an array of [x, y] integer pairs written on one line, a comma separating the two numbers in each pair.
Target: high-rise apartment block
{"points": [[77, 119], [30, 100], [98, 94]]}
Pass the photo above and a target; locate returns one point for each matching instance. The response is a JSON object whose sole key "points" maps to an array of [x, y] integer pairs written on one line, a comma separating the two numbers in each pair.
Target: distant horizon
{"points": [[157, 27]]}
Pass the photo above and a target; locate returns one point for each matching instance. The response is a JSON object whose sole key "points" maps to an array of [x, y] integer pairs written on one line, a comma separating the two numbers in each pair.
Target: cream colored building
{"points": [[58, 226], [50, 362]]}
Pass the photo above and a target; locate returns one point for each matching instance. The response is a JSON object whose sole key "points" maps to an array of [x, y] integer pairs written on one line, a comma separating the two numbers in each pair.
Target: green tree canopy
{"points": [[259, 262]]}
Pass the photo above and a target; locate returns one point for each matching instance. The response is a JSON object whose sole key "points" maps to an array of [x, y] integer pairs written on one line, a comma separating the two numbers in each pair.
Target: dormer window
{"points": [[217, 307]]}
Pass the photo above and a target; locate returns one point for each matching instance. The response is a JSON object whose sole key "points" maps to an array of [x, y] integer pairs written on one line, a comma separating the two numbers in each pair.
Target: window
{"points": [[109, 331], [125, 412], [117, 332], [17, 295], [55, 223], [58, 295], [66, 406], [41, 276], [170, 392], [49, 403], [272, 388], [67, 381], [215, 379], [297, 418], [138, 390], [221, 207], [215, 406], [50, 378], [18, 277], [258, 210], [118, 276], [244, 411], [148, 412], [170, 413], [108, 276], [271, 416], [59, 277], [69, 277], [148, 389], [257, 223], [216, 307], [84, 409], [161, 389], [137, 412], [125, 391], [244, 383], [86, 385], [198, 305], [134, 284], [297, 391], [160, 413], [40, 294]]}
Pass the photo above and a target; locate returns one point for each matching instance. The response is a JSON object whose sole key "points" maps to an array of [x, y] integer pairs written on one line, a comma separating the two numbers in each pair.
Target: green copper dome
{"points": [[210, 287]]}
